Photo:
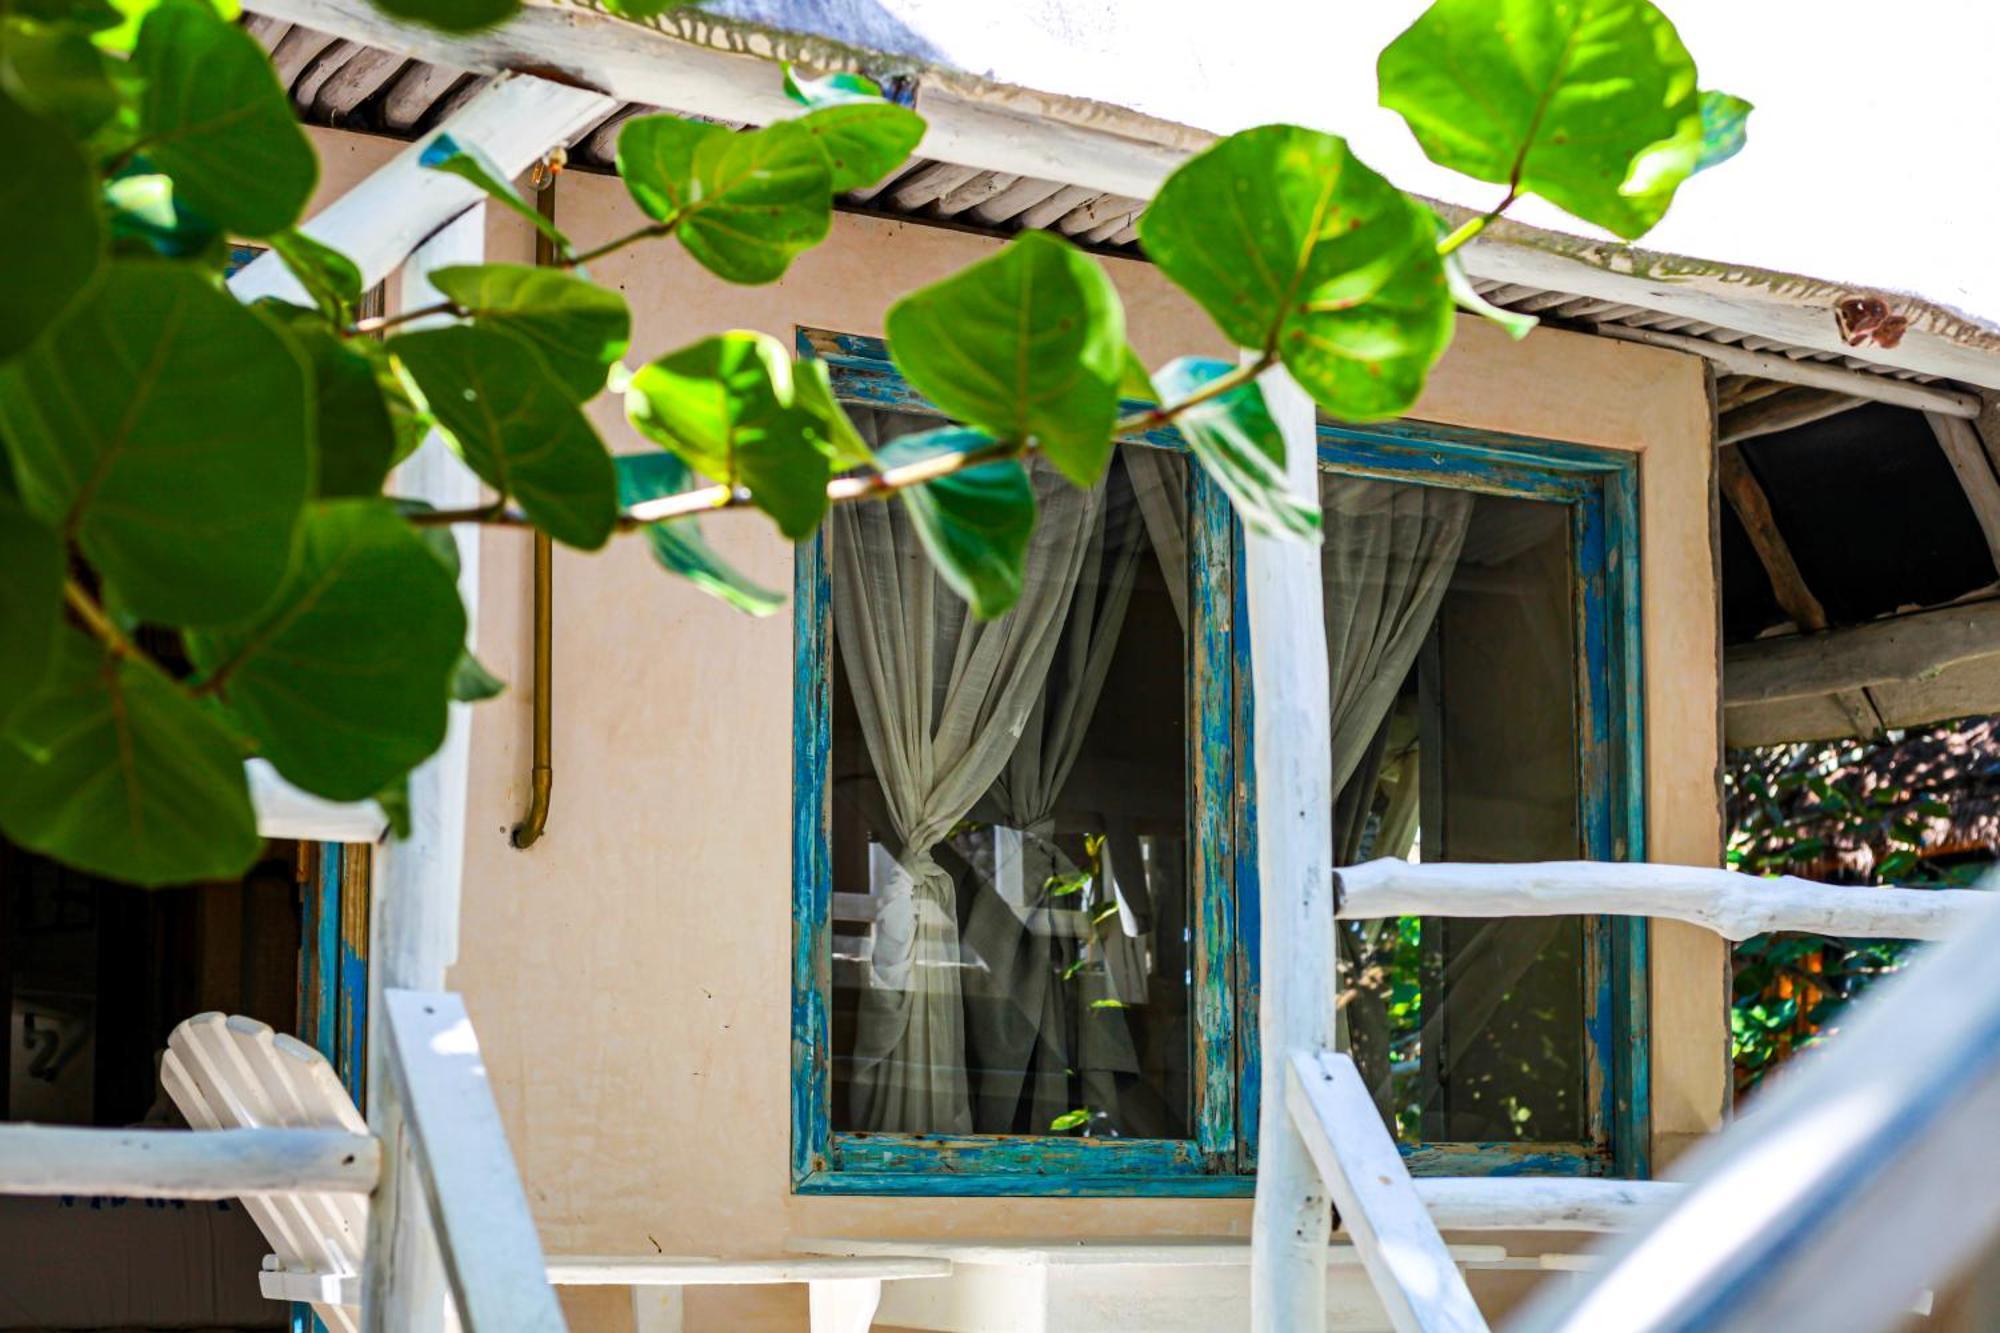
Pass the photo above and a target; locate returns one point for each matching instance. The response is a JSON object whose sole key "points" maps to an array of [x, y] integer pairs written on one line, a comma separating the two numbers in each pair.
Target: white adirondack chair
{"points": [[230, 1072], [236, 1073]]}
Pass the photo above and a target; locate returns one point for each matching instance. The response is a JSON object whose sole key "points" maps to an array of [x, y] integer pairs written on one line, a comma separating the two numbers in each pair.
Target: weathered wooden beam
{"points": [[381, 220], [485, 1233], [1746, 496], [1902, 648], [1959, 439], [185, 1163], [1854, 1181], [1813, 374], [1412, 1272], [1795, 406], [1293, 753], [1733, 905]]}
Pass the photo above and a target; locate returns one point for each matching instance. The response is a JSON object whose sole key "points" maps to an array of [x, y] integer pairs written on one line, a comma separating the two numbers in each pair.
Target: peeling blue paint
{"points": [[1601, 489]]}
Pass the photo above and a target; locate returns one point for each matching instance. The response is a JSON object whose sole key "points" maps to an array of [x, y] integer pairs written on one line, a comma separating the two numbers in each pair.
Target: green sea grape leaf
{"points": [[974, 524], [743, 204], [51, 234], [214, 117], [1235, 439], [472, 683], [1467, 297], [1560, 98], [352, 428], [168, 431], [728, 406], [1026, 345], [452, 15], [113, 769], [329, 277], [1316, 259], [343, 679], [32, 569], [517, 426], [679, 546], [863, 135], [577, 327]]}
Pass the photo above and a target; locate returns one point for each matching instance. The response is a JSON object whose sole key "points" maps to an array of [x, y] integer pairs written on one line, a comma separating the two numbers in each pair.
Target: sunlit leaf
{"points": [[679, 546], [51, 235], [148, 216], [1236, 441], [1467, 297], [1069, 1120], [1134, 383], [113, 770], [467, 162], [168, 429], [974, 524], [214, 117], [862, 134], [1315, 258], [1026, 345], [517, 427], [343, 678], [1562, 98], [728, 407], [577, 327], [744, 204], [32, 568]]}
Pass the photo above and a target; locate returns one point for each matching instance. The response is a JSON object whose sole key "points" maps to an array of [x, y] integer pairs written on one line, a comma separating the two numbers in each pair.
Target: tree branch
{"points": [[98, 622], [847, 490]]}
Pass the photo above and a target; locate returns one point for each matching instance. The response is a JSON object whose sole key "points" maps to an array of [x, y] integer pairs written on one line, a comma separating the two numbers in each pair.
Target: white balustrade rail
{"points": [[1733, 905]]}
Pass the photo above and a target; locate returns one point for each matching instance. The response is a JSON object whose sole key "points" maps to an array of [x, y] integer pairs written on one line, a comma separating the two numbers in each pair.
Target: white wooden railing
{"points": [[1822, 1206], [472, 1194]]}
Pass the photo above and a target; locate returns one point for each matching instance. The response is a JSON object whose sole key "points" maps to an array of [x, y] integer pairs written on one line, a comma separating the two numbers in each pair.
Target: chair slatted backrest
{"points": [[231, 1072]]}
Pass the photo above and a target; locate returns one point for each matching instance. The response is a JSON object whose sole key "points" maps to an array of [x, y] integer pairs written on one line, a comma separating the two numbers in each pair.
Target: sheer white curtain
{"points": [[942, 701], [1018, 1012], [1388, 555]]}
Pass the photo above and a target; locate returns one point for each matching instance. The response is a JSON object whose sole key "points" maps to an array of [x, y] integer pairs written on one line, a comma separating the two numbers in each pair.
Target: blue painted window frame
{"points": [[1601, 489]]}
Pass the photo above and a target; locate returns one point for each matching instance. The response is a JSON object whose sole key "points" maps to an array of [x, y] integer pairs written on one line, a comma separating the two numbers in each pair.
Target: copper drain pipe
{"points": [[542, 776]]}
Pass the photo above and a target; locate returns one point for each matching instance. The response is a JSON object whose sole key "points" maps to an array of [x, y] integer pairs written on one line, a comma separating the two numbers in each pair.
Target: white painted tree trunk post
{"points": [[413, 936], [1294, 772]]}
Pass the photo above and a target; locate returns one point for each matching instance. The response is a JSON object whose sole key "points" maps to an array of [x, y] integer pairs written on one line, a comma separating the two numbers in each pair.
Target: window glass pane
{"points": [[1011, 914], [1452, 643]]}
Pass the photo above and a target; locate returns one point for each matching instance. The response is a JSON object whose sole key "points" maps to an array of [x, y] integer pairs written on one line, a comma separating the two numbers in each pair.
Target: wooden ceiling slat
{"points": [[297, 49], [415, 91], [331, 61], [1008, 204], [358, 80], [975, 191]]}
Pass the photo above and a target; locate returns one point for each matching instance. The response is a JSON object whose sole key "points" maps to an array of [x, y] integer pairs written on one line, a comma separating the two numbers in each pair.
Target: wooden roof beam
{"points": [[1796, 406], [1960, 441], [1812, 374], [1901, 648]]}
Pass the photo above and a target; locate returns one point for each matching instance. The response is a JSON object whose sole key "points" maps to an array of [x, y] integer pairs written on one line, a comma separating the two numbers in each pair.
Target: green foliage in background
{"points": [[1822, 811], [201, 563]]}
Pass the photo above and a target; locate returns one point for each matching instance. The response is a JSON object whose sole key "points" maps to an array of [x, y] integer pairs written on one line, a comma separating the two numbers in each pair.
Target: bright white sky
{"points": [[1874, 152]]}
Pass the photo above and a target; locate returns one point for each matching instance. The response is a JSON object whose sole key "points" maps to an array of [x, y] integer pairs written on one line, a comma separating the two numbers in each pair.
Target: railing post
{"points": [[414, 934], [1294, 770]]}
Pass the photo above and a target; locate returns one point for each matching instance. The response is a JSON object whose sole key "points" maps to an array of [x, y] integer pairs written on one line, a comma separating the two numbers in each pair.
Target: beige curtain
{"points": [[942, 701], [1017, 1010]]}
